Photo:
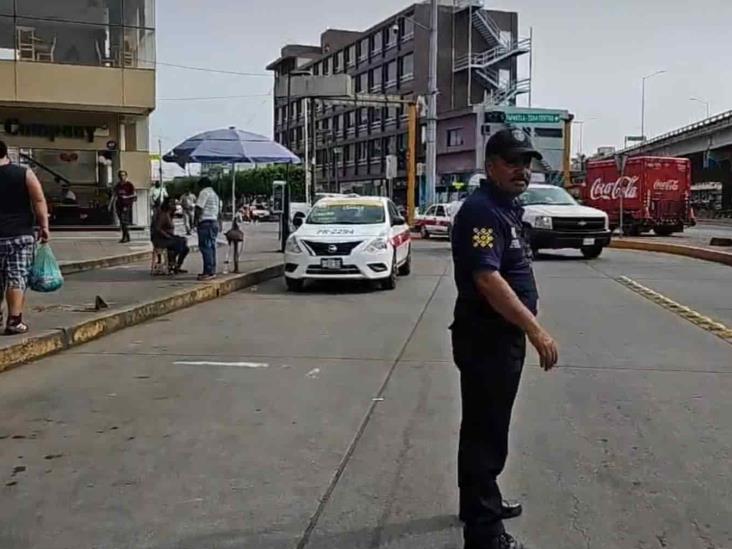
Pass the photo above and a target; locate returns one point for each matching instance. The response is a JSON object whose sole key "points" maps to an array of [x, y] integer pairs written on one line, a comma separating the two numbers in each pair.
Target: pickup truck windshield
{"points": [[548, 197]]}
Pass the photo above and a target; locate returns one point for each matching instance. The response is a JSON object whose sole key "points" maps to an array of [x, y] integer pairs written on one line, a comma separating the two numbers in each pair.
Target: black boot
{"points": [[501, 541]]}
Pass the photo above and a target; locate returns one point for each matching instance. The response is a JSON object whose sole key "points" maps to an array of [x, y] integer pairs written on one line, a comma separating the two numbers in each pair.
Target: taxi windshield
{"points": [[549, 197], [344, 213]]}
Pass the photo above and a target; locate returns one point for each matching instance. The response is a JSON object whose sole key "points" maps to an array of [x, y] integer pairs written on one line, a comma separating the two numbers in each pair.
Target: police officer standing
{"points": [[495, 311]]}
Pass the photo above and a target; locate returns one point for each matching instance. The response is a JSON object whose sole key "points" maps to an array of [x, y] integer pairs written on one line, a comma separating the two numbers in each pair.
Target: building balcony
{"points": [[50, 85]]}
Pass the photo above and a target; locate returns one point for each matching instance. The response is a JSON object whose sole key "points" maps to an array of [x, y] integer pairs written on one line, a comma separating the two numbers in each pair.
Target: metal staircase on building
{"points": [[483, 64], [501, 95]]}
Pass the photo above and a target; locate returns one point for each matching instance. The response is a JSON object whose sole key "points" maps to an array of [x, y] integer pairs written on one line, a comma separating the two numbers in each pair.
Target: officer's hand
{"points": [[545, 346]]}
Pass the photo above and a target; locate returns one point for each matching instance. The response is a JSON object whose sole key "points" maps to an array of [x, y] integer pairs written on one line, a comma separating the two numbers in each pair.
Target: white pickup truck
{"points": [[554, 220]]}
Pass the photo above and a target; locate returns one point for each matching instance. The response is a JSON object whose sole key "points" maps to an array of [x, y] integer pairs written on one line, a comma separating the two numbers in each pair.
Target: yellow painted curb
{"points": [[705, 254], [704, 322], [35, 347]]}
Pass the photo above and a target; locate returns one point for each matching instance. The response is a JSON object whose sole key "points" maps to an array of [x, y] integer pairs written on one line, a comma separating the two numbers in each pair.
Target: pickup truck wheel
{"points": [[591, 252], [294, 284], [663, 231]]}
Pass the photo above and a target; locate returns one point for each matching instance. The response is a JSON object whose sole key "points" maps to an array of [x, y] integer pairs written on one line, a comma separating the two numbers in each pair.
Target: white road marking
{"points": [[211, 363], [313, 373]]}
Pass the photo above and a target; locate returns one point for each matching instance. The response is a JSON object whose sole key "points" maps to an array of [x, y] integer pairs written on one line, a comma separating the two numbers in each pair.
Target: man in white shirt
{"points": [[158, 194], [208, 211]]}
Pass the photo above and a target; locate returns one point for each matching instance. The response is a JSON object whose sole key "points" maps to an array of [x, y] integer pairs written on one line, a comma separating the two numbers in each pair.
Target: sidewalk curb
{"points": [[67, 337], [705, 254], [72, 267]]}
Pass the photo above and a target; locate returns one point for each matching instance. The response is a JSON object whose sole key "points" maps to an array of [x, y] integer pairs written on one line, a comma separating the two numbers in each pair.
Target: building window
{"points": [[351, 56], [107, 33], [338, 62], [377, 42], [364, 115], [359, 83], [407, 27], [406, 67], [390, 37], [326, 66], [364, 47], [549, 132], [316, 69], [455, 137], [391, 74], [375, 79]]}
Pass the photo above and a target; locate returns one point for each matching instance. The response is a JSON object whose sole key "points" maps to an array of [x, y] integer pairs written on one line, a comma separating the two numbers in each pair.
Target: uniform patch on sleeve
{"points": [[482, 238]]}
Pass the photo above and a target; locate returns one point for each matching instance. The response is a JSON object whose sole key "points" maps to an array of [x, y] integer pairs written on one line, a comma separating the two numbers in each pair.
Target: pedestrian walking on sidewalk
{"points": [[208, 212], [22, 197], [188, 203], [124, 196], [162, 234], [495, 310]]}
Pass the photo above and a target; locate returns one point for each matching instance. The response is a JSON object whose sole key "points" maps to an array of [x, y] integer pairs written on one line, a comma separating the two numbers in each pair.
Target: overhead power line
{"points": [[215, 97], [208, 69]]}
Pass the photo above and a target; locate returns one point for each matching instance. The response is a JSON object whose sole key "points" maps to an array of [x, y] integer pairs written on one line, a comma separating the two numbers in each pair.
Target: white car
{"points": [[553, 219], [353, 238], [435, 221]]}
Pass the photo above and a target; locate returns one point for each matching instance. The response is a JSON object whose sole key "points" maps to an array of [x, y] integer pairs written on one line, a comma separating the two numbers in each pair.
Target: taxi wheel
{"points": [[424, 233], [406, 268], [391, 282], [294, 284]]}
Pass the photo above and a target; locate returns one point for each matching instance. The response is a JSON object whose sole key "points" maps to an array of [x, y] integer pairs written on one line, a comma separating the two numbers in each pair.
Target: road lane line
{"points": [[210, 363], [695, 317]]}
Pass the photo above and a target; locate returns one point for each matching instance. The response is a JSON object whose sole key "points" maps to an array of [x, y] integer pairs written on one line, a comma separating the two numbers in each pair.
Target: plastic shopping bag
{"points": [[45, 275]]}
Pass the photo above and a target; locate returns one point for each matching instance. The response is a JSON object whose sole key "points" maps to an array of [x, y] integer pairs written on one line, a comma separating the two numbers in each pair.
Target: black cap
{"points": [[510, 141]]}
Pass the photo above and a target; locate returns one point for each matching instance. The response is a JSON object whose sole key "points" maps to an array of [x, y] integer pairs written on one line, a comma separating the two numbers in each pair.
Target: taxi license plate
{"points": [[588, 242], [331, 263]]}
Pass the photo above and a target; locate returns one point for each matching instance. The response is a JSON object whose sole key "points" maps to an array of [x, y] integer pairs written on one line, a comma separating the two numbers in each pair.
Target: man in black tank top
{"points": [[23, 206]]}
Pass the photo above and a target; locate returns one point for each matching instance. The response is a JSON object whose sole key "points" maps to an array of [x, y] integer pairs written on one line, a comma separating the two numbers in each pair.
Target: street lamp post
{"points": [[703, 102], [643, 101]]}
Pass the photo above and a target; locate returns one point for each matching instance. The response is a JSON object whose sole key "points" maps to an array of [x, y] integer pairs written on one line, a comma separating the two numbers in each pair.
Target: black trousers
{"points": [[490, 360]]}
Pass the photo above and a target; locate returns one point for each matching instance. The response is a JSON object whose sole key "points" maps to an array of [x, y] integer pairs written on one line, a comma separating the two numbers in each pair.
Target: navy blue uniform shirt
{"points": [[488, 236]]}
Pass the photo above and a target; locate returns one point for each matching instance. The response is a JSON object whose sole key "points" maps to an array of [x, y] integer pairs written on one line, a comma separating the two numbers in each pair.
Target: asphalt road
{"points": [[329, 419]]}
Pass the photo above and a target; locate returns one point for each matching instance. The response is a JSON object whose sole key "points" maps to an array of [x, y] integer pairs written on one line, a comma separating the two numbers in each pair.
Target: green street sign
{"points": [[532, 118]]}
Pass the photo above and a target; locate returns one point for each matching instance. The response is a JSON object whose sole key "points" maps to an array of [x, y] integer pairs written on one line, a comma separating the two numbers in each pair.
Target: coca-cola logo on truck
{"points": [[670, 185], [611, 190]]}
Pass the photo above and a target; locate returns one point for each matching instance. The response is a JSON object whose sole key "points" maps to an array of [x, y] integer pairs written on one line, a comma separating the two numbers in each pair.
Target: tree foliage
{"points": [[249, 183]]}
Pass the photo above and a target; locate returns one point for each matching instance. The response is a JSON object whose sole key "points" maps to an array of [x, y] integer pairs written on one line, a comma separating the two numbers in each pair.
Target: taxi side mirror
{"points": [[297, 221], [398, 220]]}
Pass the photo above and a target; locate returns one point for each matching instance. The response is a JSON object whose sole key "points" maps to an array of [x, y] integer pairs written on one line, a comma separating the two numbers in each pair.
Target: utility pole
{"points": [[306, 104], [432, 92], [160, 161]]}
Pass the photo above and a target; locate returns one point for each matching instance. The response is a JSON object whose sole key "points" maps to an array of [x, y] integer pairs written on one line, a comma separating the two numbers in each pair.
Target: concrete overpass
{"points": [[707, 143]]}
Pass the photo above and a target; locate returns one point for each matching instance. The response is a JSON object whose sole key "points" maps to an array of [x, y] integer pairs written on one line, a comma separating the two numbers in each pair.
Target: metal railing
{"points": [[493, 55], [464, 4], [692, 129], [487, 27]]}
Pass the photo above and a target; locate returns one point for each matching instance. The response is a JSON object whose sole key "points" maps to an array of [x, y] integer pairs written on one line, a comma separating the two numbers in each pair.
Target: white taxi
{"points": [[358, 238]]}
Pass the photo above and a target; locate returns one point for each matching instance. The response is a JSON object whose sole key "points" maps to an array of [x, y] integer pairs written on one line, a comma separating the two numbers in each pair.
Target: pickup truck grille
{"points": [[578, 224], [324, 248]]}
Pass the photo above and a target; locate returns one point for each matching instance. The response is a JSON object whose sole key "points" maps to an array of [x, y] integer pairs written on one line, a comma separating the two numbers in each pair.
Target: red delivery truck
{"points": [[654, 193]]}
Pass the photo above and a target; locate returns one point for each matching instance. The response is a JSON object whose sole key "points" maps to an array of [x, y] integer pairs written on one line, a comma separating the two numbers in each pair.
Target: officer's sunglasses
{"points": [[517, 160]]}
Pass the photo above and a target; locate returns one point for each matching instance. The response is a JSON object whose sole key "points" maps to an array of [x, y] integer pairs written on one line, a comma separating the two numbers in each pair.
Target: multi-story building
{"points": [[477, 63], [77, 85]]}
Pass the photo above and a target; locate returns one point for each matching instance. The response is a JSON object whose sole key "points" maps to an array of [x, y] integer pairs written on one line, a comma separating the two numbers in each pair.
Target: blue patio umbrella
{"points": [[231, 146]]}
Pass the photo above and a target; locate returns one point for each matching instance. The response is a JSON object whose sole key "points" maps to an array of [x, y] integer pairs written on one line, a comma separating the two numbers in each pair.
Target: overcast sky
{"points": [[589, 57]]}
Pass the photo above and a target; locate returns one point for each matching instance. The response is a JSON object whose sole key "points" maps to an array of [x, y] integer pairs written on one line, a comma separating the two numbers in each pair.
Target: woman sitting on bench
{"points": [[162, 234]]}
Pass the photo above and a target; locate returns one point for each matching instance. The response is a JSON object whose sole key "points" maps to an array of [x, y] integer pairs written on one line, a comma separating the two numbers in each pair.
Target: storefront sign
{"points": [[13, 126]]}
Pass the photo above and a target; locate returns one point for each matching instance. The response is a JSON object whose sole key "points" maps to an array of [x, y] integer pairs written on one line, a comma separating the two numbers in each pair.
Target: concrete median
{"points": [[695, 252]]}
